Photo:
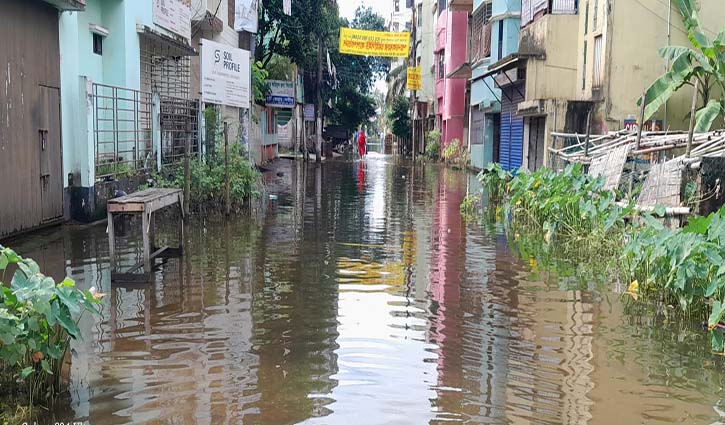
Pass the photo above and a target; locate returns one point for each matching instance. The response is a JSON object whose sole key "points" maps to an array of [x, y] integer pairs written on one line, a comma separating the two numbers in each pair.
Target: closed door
{"points": [[49, 140], [537, 127]]}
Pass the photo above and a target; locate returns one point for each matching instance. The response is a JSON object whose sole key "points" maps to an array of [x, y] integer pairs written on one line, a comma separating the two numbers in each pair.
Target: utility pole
{"points": [[413, 94], [318, 151]]}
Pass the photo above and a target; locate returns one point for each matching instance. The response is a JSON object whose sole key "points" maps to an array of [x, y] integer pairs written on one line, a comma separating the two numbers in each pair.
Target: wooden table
{"points": [[145, 203]]}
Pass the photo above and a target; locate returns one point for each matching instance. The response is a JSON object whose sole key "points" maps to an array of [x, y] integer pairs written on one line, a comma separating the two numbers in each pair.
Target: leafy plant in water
{"points": [[433, 145], [470, 205], [682, 267], [208, 181], [494, 179], [38, 317], [455, 154]]}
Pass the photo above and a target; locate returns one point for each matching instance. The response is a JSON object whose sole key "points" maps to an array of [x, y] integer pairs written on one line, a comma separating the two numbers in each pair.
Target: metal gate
{"points": [[535, 156], [179, 120]]}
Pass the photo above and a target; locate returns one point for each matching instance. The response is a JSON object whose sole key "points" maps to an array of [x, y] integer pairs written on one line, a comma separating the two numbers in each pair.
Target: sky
{"points": [[383, 7]]}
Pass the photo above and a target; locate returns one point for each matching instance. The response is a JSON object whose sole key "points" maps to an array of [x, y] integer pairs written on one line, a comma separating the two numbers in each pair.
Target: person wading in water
{"points": [[361, 144]]}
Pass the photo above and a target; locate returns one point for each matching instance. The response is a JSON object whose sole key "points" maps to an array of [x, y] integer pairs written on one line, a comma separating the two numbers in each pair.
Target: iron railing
{"points": [[122, 131], [179, 120]]}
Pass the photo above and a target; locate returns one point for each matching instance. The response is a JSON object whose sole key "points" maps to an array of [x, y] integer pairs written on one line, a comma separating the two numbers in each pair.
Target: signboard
{"points": [[245, 15], [630, 125], [224, 74], [281, 94], [309, 112], [374, 43], [174, 16], [415, 78]]}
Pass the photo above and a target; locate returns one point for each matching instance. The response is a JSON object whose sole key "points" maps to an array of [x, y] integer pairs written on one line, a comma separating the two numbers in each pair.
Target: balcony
{"points": [[460, 5], [534, 9], [68, 4], [480, 44]]}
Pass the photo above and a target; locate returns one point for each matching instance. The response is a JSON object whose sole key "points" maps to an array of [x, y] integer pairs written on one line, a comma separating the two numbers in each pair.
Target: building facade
{"points": [[425, 98], [32, 151], [450, 55], [494, 35]]}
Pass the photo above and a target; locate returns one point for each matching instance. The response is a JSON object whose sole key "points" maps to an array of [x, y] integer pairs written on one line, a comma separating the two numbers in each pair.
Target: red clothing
{"points": [[361, 144]]}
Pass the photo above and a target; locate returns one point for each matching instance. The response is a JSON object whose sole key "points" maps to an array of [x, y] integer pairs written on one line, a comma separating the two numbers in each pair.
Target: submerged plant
{"points": [[494, 179], [38, 317], [455, 154], [684, 268]]}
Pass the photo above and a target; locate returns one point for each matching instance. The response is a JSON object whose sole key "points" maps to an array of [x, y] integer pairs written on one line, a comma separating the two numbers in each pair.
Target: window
{"points": [[397, 5], [441, 65], [97, 44], [586, 18], [594, 17], [442, 5], [584, 68], [598, 65], [420, 15], [481, 34], [408, 26], [396, 27]]}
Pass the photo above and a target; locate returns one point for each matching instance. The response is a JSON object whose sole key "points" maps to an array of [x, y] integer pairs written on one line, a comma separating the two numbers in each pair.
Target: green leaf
{"points": [[26, 372], [716, 340], [698, 225], [662, 88], [718, 309], [711, 288], [54, 352], [660, 210], [707, 115], [46, 367]]}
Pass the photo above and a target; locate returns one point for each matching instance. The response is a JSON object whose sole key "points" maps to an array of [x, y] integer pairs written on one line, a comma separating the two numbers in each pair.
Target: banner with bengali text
{"points": [[374, 43], [415, 78]]}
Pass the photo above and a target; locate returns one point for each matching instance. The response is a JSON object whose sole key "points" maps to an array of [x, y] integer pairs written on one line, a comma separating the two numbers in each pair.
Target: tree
{"points": [[396, 79], [399, 117], [703, 60]]}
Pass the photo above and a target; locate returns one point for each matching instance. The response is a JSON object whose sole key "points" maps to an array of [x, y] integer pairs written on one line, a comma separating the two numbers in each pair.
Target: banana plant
{"points": [[703, 60]]}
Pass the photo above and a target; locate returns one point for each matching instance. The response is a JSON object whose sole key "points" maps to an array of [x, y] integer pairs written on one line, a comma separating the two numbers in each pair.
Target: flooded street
{"points": [[359, 295]]}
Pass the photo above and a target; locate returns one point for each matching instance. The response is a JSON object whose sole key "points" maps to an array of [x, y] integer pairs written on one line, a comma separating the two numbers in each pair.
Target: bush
{"points": [[433, 145], [455, 154], [38, 317], [208, 182]]}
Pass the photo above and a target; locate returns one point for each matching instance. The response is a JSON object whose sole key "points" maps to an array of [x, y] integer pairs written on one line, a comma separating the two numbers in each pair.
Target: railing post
{"points": [[227, 199], [187, 171], [690, 133]]}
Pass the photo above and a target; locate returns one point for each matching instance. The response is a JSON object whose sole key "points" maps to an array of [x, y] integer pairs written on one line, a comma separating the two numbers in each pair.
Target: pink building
{"points": [[451, 45]]}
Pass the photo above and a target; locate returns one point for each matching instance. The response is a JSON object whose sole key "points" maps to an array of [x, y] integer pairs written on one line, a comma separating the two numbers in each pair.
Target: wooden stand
{"points": [[144, 203]]}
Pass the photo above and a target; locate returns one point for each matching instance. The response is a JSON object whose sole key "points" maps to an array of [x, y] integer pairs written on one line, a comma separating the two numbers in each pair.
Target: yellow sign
{"points": [[415, 78], [374, 43]]}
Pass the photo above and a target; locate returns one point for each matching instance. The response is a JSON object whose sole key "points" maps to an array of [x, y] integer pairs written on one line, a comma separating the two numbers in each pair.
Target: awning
{"points": [[463, 71], [172, 46], [511, 61]]}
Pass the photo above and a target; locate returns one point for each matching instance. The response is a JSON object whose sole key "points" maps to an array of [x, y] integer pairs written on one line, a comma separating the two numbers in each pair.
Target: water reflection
{"points": [[359, 295]]}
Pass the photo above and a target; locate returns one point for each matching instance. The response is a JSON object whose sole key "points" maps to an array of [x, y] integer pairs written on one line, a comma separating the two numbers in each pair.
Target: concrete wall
{"points": [[451, 93], [425, 51], [635, 32], [555, 76]]}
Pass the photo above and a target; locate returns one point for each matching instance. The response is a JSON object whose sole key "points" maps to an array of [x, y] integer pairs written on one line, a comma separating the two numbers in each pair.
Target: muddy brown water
{"points": [[360, 296]]}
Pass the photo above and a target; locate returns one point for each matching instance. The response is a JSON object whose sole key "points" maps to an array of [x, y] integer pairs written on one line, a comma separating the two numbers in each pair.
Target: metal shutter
{"points": [[512, 129]]}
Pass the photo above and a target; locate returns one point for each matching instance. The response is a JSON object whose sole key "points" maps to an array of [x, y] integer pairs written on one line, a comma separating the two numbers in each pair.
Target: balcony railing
{"points": [[530, 8], [480, 43]]}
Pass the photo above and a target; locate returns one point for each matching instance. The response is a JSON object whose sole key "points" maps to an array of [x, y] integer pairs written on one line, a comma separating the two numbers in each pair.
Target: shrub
{"points": [[433, 145], [38, 317], [208, 182], [455, 154]]}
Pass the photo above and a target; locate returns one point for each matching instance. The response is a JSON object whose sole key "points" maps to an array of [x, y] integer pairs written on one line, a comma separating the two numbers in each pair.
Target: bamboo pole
{"points": [[187, 171], [692, 119], [641, 121], [227, 199], [589, 131]]}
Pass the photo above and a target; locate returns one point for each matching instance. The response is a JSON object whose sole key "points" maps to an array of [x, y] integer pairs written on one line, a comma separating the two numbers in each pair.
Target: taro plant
{"points": [[494, 179], [38, 317], [569, 204], [683, 268]]}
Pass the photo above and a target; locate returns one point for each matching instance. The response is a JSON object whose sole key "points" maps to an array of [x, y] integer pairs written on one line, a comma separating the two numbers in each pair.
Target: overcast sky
{"points": [[383, 7]]}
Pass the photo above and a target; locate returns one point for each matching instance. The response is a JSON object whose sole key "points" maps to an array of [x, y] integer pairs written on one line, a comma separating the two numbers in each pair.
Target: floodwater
{"points": [[360, 296]]}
